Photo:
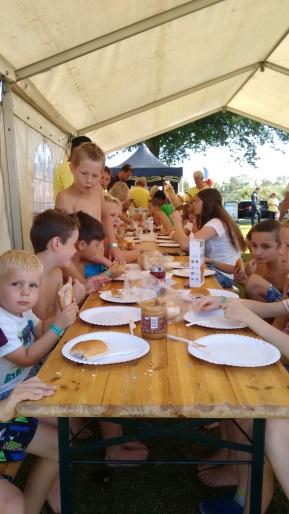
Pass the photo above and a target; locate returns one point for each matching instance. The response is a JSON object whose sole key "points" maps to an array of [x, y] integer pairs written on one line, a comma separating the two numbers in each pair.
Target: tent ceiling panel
{"points": [[38, 122], [265, 97], [164, 60], [153, 79], [281, 55], [55, 26], [168, 116]]}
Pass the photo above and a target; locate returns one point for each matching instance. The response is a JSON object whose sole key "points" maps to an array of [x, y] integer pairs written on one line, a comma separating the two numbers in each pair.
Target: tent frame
{"points": [[10, 175]]}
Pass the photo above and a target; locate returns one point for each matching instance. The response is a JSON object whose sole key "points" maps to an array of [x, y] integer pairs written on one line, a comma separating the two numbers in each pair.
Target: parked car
{"points": [[245, 209]]}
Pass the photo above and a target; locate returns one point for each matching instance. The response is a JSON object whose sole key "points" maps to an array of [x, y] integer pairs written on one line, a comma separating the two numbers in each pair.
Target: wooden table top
{"points": [[167, 382]]}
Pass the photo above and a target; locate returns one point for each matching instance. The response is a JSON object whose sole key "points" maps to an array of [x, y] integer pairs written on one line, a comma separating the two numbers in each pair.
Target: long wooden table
{"points": [[166, 383]]}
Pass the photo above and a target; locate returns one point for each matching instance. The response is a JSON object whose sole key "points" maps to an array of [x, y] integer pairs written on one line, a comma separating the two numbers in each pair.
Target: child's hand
{"points": [[240, 276], [251, 267], [236, 311], [32, 389], [117, 255], [79, 291], [209, 303], [95, 283], [67, 316], [101, 259], [116, 270]]}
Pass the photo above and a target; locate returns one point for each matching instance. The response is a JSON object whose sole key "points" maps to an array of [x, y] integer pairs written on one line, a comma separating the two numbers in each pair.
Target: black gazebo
{"points": [[146, 164]]}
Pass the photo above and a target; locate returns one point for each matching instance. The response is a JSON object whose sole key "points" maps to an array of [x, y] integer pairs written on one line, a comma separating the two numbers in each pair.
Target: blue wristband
{"points": [[57, 330]]}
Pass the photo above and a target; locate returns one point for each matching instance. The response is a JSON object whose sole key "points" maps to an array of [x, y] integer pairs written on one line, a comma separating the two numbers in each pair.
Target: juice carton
{"points": [[197, 259]]}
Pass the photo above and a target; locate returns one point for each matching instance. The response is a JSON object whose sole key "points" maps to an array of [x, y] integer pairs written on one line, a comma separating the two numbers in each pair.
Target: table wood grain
{"points": [[167, 382]]}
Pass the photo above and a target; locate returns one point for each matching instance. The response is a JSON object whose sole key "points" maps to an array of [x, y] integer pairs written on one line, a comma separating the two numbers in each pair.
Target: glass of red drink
{"points": [[158, 272]]}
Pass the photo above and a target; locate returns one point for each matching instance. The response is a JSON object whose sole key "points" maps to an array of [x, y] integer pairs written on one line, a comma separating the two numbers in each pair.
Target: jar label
{"points": [[153, 324]]}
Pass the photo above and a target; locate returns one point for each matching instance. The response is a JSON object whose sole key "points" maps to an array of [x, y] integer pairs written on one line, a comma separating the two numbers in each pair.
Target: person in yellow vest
{"points": [[200, 184], [63, 177]]}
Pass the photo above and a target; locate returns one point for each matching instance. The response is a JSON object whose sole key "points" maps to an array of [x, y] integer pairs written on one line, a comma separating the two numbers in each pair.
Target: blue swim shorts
{"points": [[273, 294], [15, 436]]}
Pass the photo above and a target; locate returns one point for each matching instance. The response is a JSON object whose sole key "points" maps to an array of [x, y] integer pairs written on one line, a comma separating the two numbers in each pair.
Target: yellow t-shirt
{"points": [[193, 191], [140, 197], [63, 178]]}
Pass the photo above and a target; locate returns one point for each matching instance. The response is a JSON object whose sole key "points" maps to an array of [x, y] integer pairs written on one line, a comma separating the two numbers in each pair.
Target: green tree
{"points": [[223, 129]]}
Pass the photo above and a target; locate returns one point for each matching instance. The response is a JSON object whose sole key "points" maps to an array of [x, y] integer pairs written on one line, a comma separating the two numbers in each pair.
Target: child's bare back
{"points": [[47, 306]]}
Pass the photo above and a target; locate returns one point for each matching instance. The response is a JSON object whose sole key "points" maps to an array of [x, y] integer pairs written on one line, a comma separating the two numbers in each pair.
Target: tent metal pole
{"points": [[256, 118], [10, 175], [276, 67]]}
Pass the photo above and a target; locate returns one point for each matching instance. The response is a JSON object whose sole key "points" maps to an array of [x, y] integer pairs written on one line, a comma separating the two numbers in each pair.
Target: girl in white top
{"points": [[224, 241]]}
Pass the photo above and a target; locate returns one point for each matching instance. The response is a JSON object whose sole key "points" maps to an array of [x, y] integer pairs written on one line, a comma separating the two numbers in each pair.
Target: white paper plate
{"points": [[111, 316], [132, 265], [212, 319], [209, 272], [177, 265], [185, 272], [121, 348], [189, 295], [235, 350], [167, 245], [134, 296], [181, 272], [223, 292]]}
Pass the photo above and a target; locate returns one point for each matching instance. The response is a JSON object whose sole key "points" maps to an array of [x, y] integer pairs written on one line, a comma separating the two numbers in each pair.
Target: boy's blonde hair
{"points": [[87, 151], [19, 259], [120, 191], [141, 181], [111, 199]]}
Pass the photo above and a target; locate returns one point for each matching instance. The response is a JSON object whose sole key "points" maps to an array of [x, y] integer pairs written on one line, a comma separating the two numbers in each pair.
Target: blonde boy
{"points": [[20, 279], [22, 344], [85, 194]]}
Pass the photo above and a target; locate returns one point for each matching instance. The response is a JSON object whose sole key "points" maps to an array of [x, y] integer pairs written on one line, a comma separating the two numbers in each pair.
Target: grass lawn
{"points": [[244, 226], [149, 489]]}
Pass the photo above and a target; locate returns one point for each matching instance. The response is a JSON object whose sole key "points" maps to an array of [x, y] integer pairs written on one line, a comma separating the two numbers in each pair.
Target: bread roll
{"points": [[65, 295], [89, 348], [116, 292], [200, 291]]}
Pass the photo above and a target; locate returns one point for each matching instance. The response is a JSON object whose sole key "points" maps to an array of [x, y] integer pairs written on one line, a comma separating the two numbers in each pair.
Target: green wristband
{"points": [[224, 299], [57, 330], [108, 273], [113, 245]]}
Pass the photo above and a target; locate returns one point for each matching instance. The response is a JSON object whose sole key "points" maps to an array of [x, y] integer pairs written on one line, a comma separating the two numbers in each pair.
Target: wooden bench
{"points": [[10, 468]]}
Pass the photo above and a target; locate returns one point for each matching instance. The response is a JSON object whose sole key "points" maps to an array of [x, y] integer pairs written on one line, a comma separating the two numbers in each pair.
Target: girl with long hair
{"points": [[223, 239]]}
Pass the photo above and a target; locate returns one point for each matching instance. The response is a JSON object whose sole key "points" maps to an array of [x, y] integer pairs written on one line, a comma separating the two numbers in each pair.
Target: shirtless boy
{"points": [[86, 194], [53, 236], [264, 276]]}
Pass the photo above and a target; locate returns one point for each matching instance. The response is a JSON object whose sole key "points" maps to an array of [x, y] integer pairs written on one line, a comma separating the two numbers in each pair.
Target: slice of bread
{"points": [[65, 295], [88, 349]]}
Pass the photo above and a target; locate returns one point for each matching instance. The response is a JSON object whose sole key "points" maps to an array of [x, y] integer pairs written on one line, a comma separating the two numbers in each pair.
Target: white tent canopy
{"points": [[127, 70], [124, 71]]}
